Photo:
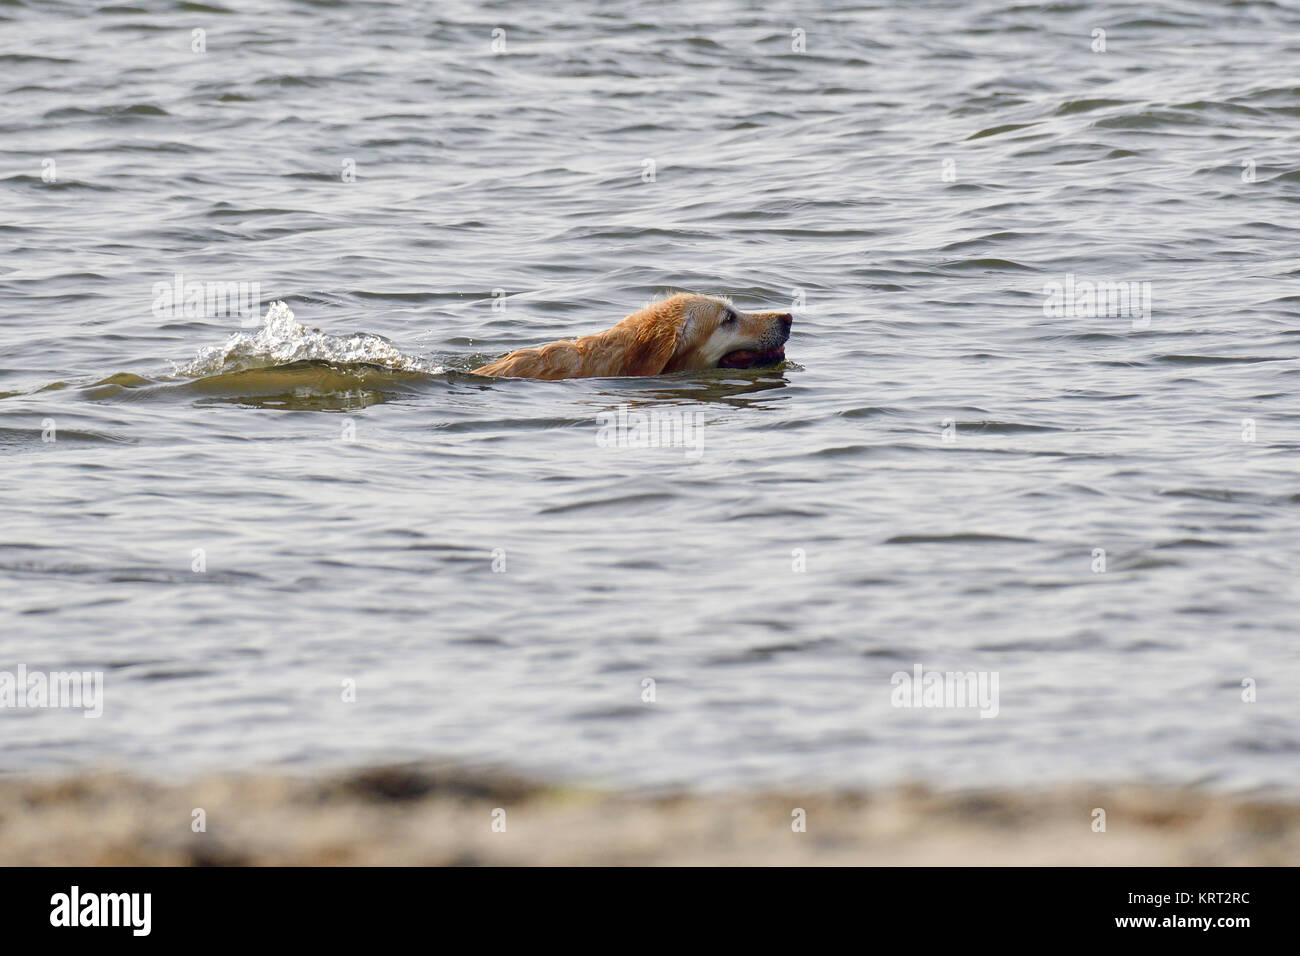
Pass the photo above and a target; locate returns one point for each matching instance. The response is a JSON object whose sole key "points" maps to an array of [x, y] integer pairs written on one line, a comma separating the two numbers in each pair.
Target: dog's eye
{"points": [[730, 317]]}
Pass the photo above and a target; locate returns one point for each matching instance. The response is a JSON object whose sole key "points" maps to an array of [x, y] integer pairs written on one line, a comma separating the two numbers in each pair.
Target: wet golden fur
{"points": [[681, 333]]}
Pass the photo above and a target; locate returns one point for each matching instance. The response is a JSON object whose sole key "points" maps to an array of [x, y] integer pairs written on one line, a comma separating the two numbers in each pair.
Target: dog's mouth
{"points": [[752, 358]]}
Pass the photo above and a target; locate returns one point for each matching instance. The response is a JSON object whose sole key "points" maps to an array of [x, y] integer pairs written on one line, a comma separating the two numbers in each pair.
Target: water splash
{"points": [[282, 340]]}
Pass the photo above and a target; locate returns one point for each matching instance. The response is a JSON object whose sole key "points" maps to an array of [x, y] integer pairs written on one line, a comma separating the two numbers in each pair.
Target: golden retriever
{"points": [[684, 333]]}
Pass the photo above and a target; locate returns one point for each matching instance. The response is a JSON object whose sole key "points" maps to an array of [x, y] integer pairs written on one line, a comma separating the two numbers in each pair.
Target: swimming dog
{"points": [[686, 332]]}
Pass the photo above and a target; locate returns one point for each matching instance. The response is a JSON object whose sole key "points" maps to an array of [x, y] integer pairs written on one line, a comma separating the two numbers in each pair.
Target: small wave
{"points": [[282, 340], [1178, 359], [1070, 107], [987, 263], [968, 537], [115, 112], [998, 130]]}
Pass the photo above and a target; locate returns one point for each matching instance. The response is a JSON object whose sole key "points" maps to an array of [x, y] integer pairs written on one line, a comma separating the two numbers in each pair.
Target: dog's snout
{"points": [[786, 320]]}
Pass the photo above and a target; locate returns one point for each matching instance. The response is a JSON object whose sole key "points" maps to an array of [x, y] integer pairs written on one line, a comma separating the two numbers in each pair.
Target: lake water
{"points": [[961, 466]]}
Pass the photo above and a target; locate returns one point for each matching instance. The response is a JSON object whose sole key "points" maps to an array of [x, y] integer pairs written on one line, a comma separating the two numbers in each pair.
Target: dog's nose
{"points": [[786, 321]]}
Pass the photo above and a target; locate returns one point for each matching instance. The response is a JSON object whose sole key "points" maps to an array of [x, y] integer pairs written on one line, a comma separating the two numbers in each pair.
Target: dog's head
{"points": [[691, 332]]}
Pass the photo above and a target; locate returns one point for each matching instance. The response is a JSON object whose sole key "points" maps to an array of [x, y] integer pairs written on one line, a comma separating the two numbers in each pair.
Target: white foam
{"points": [[282, 340]]}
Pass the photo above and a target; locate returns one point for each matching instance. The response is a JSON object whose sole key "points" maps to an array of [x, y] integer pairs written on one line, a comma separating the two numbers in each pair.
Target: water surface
{"points": [[942, 457]]}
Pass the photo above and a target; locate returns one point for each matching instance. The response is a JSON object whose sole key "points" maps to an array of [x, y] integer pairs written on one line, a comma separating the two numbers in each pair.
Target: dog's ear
{"points": [[652, 349]]}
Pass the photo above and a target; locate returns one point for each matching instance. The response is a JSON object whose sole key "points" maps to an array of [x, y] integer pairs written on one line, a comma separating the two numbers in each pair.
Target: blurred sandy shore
{"points": [[436, 815]]}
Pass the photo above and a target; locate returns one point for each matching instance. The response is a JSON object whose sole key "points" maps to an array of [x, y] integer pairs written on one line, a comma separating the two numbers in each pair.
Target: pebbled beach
{"points": [[435, 815]]}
